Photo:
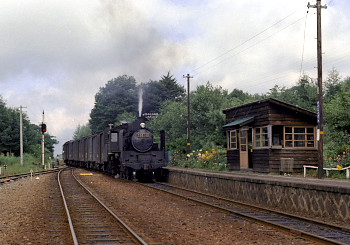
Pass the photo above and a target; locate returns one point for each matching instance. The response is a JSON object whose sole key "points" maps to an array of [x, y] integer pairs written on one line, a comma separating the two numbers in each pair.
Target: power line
{"points": [[302, 54], [230, 50], [219, 62]]}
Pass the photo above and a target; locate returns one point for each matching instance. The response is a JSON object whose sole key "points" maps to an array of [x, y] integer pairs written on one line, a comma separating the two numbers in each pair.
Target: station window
{"points": [[261, 137], [232, 141], [295, 137]]}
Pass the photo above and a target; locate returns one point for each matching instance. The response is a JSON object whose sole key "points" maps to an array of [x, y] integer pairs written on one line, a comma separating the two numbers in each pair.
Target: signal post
{"points": [[43, 130]]}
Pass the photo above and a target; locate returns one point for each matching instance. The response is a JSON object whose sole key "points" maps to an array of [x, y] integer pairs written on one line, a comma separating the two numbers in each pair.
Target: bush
{"points": [[341, 160], [213, 159]]}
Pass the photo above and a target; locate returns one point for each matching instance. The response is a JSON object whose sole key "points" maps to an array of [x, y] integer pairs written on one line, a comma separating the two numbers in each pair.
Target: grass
{"points": [[14, 167]]}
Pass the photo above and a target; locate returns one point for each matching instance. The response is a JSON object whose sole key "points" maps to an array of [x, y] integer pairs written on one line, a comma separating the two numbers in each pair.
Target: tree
{"points": [[337, 122], [332, 85], [10, 133], [50, 142], [304, 94], [172, 119], [172, 90], [337, 110], [241, 95], [152, 96], [207, 104], [118, 96], [156, 92], [125, 117], [82, 131]]}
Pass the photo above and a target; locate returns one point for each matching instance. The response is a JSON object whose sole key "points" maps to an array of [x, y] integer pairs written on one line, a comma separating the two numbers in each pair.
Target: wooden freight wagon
{"points": [[270, 136]]}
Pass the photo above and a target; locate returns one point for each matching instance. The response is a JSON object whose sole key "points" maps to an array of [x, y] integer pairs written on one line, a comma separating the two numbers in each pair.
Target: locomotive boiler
{"points": [[128, 151]]}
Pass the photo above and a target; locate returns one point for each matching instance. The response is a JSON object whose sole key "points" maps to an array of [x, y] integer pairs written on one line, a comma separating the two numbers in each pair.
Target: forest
{"points": [[10, 135], [118, 101]]}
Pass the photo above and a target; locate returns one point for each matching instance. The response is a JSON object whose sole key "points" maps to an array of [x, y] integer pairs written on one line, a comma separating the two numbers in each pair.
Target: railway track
{"points": [[26, 175], [91, 221], [309, 229]]}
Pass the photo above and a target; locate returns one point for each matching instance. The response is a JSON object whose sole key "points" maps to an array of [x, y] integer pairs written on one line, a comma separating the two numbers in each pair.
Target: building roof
{"points": [[240, 122], [276, 102]]}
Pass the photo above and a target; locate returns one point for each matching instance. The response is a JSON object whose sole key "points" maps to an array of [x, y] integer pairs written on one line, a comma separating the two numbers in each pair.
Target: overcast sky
{"points": [[56, 54]]}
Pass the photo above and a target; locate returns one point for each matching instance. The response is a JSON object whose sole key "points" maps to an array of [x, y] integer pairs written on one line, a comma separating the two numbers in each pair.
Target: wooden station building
{"points": [[270, 136]]}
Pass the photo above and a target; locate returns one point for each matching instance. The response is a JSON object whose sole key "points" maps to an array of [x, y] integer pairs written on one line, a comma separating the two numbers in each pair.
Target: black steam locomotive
{"points": [[128, 151]]}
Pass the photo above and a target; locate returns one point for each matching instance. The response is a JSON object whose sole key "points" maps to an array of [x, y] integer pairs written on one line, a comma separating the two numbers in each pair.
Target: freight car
{"points": [[128, 151]]}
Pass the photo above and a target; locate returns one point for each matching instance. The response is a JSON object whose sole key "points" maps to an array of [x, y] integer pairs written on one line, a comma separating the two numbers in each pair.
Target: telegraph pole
{"points": [[21, 132], [320, 91], [42, 142], [188, 113]]}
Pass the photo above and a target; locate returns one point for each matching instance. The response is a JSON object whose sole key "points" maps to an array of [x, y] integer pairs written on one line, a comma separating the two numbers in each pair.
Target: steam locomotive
{"points": [[128, 151]]}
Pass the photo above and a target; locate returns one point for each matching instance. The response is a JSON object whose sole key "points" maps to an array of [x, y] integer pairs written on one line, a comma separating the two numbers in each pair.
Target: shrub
{"points": [[213, 159]]}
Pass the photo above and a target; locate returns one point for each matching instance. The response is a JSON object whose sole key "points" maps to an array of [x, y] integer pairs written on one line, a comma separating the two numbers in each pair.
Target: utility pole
{"points": [[320, 91], [21, 132], [188, 114], [43, 142]]}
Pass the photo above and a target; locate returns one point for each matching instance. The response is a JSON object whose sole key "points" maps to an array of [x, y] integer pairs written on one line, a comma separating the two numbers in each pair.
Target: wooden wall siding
{"points": [[269, 113], [301, 157], [260, 160], [267, 160], [278, 116], [259, 111], [233, 159]]}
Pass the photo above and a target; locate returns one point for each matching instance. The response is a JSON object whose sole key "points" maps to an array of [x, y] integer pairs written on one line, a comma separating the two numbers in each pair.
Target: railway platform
{"points": [[325, 199]]}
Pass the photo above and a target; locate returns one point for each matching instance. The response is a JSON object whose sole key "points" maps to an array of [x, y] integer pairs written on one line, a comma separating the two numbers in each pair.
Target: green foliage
{"points": [[241, 96], [304, 94], [172, 119], [211, 159], [30, 162], [118, 96], [119, 99], [82, 131], [172, 90], [337, 116], [207, 118], [341, 160], [332, 85], [157, 92], [125, 117], [207, 104], [10, 133], [337, 110], [152, 96]]}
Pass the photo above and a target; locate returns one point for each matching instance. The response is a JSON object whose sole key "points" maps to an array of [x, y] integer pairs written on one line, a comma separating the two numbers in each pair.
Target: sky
{"points": [[56, 54]]}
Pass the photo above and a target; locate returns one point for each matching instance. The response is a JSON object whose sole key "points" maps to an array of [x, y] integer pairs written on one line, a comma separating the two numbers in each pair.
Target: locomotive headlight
{"points": [[142, 125]]}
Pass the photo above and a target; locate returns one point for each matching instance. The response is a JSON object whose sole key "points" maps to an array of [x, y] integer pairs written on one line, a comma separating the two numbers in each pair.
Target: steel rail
{"points": [[26, 175], [72, 231], [130, 231], [125, 227], [298, 232]]}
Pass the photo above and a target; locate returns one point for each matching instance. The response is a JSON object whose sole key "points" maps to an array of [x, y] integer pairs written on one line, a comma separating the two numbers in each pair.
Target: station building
{"points": [[270, 136]]}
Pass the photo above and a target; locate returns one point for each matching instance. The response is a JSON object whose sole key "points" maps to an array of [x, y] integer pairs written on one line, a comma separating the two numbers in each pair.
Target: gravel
{"points": [[32, 213]]}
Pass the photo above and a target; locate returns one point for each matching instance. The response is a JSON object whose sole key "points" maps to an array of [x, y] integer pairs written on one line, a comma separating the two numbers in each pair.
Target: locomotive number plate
{"points": [[143, 135]]}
